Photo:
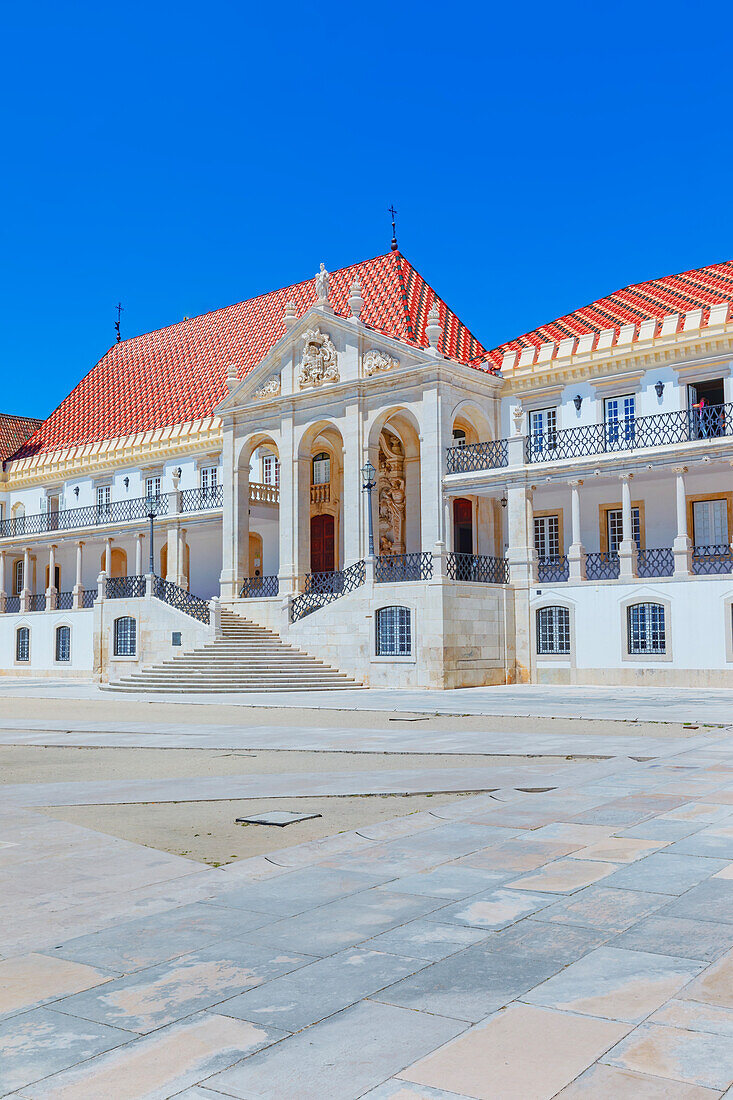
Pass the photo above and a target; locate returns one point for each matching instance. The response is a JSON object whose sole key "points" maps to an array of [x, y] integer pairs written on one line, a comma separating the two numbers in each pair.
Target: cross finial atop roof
{"points": [[120, 311], [393, 212]]}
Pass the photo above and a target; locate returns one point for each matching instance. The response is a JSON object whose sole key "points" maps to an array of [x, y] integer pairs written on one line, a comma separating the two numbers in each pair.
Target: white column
{"points": [[3, 591], [353, 508], [431, 471], [78, 593], [51, 591], [138, 554], [290, 512], [182, 579], [576, 551], [26, 591], [229, 517], [627, 551], [108, 557], [448, 523], [682, 546], [521, 553]]}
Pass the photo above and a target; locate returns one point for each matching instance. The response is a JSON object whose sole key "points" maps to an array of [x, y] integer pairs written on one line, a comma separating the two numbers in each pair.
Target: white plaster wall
{"points": [[204, 543], [42, 626], [156, 622]]}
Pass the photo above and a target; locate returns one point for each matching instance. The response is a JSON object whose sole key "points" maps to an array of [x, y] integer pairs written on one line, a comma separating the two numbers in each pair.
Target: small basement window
{"points": [[125, 637], [394, 633], [22, 644], [63, 643]]}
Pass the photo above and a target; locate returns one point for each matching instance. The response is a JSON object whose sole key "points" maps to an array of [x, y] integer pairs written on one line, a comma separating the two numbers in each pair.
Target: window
{"points": [[18, 577], [553, 630], [394, 636], [614, 526], [125, 637], [710, 522], [209, 479], [707, 413], [543, 430], [63, 643], [620, 420], [22, 644], [646, 628], [547, 537], [103, 501], [152, 486], [321, 469], [459, 437], [270, 470]]}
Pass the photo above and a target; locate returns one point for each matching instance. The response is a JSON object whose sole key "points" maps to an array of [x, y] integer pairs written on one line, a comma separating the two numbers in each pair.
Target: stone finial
{"points": [[434, 329], [290, 316], [518, 414], [356, 302], [232, 376]]}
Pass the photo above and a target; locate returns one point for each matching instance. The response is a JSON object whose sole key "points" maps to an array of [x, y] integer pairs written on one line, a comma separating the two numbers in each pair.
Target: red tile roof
{"points": [[702, 287], [178, 374], [14, 430]]}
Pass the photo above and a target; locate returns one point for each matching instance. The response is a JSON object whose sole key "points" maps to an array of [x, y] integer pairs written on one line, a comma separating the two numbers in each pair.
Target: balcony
{"points": [[321, 494], [632, 434], [260, 493]]}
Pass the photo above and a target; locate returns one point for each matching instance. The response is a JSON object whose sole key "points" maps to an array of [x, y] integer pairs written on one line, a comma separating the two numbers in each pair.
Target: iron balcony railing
{"points": [[403, 567], [477, 456], [553, 569], [88, 597], [655, 562], [12, 605], [179, 598], [260, 587], [94, 515], [708, 560], [601, 566], [198, 500], [323, 588], [65, 601], [478, 568], [121, 588], [37, 601]]}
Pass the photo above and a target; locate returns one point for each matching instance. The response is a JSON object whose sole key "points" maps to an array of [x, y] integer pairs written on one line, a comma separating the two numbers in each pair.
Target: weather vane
{"points": [[393, 212], [120, 311]]}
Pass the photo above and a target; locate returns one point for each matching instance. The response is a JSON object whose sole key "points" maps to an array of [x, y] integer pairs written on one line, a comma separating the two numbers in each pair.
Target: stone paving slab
{"points": [[601, 1082], [697, 1058]]}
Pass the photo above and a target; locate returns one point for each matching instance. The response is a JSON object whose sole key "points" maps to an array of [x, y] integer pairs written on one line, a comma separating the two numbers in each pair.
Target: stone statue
{"points": [[392, 495], [322, 284]]}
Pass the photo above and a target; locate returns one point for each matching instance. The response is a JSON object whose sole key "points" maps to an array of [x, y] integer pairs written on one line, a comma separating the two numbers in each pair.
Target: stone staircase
{"points": [[247, 658]]}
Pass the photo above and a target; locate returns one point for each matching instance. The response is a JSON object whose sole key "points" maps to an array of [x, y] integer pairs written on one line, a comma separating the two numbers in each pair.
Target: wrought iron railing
{"points": [[198, 500], [37, 601], [553, 569], [179, 598], [477, 456], [403, 567], [94, 515], [708, 560], [633, 433], [478, 568], [323, 588], [601, 566], [88, 597], [65, 601], [260, 587], [12, 605], [655, 562], [120, 588]]}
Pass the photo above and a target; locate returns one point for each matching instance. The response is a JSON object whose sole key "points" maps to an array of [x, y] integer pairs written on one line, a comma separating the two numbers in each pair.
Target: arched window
{"points": [[459, 437], [647, 632], [321, 469], [125, 637], [18, 577], [22, 644], [553, 630], [394, 633], [63, 643]]}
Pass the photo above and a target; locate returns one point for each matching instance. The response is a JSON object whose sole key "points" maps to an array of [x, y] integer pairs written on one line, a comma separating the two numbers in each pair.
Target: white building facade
{"points": [[557, 510]]}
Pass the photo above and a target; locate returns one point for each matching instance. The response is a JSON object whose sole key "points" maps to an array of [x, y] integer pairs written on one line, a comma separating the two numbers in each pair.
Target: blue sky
{"points": [[179, 157]]}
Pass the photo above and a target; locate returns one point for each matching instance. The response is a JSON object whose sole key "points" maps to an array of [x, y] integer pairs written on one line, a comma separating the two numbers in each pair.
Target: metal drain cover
{"points": [[275, 817]]}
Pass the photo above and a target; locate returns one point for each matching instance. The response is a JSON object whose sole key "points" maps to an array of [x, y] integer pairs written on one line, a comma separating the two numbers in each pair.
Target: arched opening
{"points": [[255, 555], [320, 496], [17, 514], [463, 525], [323, 547], [186, 562], [394, 449], [118, 562], [475, 522], [258, 508], [56, 577]]}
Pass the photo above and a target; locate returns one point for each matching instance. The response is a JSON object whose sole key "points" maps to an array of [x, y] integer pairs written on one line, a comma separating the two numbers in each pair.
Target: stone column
{"points": [[108, 558], [521, 553], [139, 554], [182, 581], [52, 593], [25, 595], [229, 517], [3, 590], [78, 594], [353, 507], [627, 551], [290, 514], [431, 471], [576, 551], [682, 546], [171, 561], [448, 522]]}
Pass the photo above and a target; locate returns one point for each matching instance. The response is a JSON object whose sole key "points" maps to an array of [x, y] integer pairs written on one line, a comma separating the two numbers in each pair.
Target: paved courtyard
{"points": [[555, 925]]}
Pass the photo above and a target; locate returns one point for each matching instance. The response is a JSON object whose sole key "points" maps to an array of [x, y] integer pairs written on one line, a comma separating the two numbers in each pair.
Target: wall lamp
{"points": [[76, 490], [577, 401], [503, 501], [126, 482], [659, 388]]}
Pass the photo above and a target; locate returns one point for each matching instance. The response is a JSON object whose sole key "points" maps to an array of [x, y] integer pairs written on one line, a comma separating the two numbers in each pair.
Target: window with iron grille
{"points": [[63, 643], [22, 644], [125, 636], [321, 469], [553, 630], [646, 628], [394, 633], [209, 478], [270, 470]]}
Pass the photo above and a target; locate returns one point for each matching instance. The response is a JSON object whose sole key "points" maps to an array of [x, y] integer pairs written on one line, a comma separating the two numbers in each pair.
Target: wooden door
{"points": [[463, 525], [323, 551], [255, 555]]}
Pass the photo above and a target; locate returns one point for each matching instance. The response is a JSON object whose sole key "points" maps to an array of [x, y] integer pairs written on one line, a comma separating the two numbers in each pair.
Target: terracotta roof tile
{"points": [[14, 430], [178, 374]]}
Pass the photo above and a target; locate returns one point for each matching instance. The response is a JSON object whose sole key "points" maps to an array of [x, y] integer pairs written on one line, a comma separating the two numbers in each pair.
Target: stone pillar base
{"points": [[440, 562], [576, 562], [682, 551], [25, 600], [522, 565], [627, 560], [3, 602], [77, 597], [52, 599]]}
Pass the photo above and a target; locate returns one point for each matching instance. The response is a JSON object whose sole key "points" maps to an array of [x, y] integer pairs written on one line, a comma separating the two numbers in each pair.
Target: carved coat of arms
{"points": [[271, 388], [375, 360], [319, 362]]}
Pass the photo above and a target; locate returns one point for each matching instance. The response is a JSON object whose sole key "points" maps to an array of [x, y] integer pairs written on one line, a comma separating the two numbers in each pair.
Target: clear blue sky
{"points": [[183, 156]]}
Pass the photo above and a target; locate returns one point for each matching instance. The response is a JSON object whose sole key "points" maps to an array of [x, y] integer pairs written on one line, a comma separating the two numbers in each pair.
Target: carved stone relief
{"points": [[271, 388], [319, 362], [375, 360], [392, 497]]}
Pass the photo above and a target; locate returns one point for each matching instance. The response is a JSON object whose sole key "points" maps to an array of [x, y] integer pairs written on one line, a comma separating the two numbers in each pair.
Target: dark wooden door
{"points": [[463, 525], [323, 553]]}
